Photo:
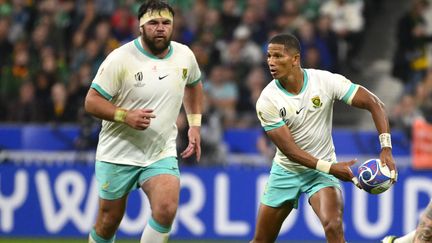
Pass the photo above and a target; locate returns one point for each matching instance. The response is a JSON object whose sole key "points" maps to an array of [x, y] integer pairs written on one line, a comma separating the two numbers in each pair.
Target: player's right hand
{"points": [[342, 171], [139, 119]]}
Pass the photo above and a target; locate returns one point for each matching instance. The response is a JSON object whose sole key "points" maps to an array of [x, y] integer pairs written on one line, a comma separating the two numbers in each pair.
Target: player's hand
{"points": [[139, 119], [342, 171], [386, 158], [194, 146]]}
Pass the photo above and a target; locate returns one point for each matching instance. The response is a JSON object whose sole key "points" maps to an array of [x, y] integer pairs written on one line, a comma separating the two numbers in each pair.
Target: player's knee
{"points": [[109, 223], [333, 225], [165, 212]]}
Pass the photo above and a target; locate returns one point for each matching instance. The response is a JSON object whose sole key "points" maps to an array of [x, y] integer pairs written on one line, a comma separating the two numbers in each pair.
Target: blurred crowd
{"points": [[51, 50], [413, 67]]}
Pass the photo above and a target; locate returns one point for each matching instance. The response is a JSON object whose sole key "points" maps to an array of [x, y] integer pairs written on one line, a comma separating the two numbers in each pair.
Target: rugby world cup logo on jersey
{"points": [[316, 101], [139, 79], [282, 112]]}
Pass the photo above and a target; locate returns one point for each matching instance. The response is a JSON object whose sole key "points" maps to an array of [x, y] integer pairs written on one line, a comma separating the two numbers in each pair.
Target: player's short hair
{"points": [[154, 5], [289, 41]]}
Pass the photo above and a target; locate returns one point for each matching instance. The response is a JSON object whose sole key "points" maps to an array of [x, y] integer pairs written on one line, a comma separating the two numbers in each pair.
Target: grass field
{"points": [[32, 240], [12, 240]]}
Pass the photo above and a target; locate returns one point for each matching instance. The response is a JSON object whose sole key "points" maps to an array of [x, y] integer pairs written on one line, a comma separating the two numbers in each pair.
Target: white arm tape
{"points": [[385, 140], [323, 166]]}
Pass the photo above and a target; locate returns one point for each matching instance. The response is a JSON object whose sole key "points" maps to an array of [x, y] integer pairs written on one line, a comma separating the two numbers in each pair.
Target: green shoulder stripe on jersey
{"points": [[141, 49], [194, 82], [101, 91], [350, 94], [305, 83], [274, 126]]}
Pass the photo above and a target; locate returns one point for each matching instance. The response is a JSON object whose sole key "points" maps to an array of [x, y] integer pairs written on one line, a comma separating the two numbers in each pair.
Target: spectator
{"points": [[6, 46], [410, 59], [59, 110], [348, 24], [329, 37], [248, 95], [405, 113], [309, 40], [13, 76], [424, 95], [293, 19], [222, 93], [242, 51], [123, 21], [24, 108], [230, 18]]}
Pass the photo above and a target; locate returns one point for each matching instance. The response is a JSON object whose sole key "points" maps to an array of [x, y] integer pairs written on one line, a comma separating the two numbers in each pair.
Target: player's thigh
{"points": [[269, 221], [327, 203], [161, 182], [163, 192]]}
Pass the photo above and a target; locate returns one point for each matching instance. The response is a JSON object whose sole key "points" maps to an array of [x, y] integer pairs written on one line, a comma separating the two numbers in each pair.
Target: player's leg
{"points": [[161, 183], [269, 222], [424, 229], [108, 219], [279, 198], [423, 233], [328, 205], [114, 183]]}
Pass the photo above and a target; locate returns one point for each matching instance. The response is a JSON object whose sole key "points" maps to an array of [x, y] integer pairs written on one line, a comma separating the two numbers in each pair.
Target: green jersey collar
{"points": [[305, 82], [138, 45]]}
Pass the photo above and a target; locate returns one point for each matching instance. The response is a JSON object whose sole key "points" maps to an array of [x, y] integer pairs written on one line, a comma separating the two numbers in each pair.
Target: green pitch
{"points": [[32, 240], [12, 240]]}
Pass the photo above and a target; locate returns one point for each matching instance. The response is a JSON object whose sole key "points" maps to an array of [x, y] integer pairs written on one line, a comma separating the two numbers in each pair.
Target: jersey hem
{"points": [[134, 163]]}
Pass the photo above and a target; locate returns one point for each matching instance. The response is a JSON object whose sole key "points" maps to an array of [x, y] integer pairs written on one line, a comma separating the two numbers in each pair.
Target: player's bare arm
{"points": [[283, 139], [98, 106], [364, 99], [192, 102]]}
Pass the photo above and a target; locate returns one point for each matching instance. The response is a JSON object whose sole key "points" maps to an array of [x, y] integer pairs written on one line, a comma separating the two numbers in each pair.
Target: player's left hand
{"points": [[194, 145], [386, 158]]}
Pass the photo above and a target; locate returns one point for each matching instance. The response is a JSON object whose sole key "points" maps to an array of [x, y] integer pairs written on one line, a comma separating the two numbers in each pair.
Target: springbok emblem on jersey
{"points": [[184, 73], [316, 101], [260, 114]]}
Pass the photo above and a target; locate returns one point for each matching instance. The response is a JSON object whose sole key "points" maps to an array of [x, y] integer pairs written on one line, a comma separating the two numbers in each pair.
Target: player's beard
{"points": [[156, 47]]}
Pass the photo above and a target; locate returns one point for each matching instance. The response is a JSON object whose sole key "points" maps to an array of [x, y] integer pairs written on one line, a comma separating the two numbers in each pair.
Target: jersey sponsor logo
{"points": [[139, 79], [162, 77], [316, 101], [298, 111], [184, 73]]}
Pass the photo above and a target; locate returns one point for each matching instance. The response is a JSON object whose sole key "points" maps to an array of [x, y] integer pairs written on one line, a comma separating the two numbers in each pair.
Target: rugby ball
{"points": [[373, 177]]}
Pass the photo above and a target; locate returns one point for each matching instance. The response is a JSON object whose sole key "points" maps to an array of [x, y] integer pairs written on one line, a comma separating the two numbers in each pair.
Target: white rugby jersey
{"points": [[308, 114], [132, 78]]}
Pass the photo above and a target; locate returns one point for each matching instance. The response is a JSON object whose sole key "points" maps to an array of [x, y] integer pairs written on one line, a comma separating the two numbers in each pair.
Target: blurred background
{"points": [[50, 51]]}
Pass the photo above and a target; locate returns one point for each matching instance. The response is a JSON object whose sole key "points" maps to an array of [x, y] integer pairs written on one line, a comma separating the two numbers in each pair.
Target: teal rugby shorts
{"points": [[285, 186], [115, 180]]}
